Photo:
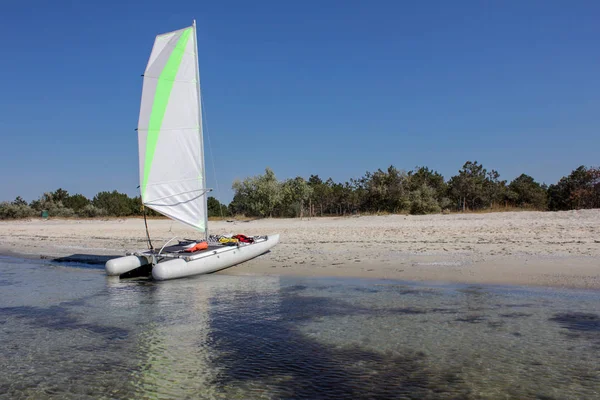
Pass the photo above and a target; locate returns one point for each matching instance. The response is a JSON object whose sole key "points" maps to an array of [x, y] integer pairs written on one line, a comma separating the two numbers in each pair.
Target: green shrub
{"points": [[15, 211], [422, 201], [91, 211], [61, 212]]}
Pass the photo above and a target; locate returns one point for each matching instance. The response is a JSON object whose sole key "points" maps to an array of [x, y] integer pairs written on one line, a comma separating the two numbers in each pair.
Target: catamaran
{"points": [[172, 168]]}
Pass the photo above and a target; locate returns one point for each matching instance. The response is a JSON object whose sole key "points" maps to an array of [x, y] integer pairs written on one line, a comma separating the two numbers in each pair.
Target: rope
{"points": [[147, 233]]}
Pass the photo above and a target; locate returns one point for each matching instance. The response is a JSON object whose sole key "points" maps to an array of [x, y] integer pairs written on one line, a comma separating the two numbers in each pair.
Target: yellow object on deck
{"points": [[227, 240]]}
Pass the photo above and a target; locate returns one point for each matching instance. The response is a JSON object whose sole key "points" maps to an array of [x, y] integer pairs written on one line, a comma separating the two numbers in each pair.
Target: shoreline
{"points": [[522, 248], [547, 280]]}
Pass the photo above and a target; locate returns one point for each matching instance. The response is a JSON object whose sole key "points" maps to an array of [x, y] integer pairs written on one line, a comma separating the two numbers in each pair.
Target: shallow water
{"points": [[70, 332]]}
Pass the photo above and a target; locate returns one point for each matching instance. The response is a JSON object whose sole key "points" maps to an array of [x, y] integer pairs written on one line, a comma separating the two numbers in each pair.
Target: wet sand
{"points": [[560, 249]]}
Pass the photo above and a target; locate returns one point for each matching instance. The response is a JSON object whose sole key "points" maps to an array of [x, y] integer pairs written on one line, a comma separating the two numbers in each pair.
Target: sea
{"points": [[67, 331]]}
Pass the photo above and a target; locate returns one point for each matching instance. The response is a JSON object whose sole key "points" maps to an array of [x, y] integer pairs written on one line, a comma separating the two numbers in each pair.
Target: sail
{"points": [[171, 154]]}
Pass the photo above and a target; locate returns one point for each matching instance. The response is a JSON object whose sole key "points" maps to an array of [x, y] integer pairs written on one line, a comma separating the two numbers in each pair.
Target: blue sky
{"points": [[333, 88]]}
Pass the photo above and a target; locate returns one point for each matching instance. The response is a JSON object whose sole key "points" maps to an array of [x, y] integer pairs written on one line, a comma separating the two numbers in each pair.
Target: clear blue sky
{"points": [[333, 88]]}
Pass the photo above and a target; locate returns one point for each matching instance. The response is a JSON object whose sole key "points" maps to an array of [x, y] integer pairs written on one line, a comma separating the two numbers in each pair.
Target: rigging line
{"points": [[204, 191], [212, 158], [147, 233], [146, 222]]}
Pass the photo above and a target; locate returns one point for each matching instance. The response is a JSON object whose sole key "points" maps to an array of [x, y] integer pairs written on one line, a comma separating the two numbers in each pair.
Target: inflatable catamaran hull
{"points": [[173, 266], [212, 262], [121, 265]]}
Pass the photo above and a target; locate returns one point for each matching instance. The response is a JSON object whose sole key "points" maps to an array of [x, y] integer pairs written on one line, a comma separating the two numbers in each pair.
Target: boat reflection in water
{"points": [[177, 347]]}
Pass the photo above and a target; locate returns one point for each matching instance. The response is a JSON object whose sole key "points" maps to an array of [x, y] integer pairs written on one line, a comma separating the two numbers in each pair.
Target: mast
{"points": [[205, 194]]}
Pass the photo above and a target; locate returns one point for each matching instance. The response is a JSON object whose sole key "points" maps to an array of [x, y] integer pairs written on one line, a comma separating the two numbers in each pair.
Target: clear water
{"points": [[70, 332]]}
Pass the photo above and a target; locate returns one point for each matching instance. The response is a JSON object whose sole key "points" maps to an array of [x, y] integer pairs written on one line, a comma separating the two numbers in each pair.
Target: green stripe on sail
{"points": [[161, 100]]}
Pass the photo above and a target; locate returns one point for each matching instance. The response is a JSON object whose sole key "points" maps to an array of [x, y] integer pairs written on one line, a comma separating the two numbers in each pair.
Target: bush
{"points": [[445, 203], [115, 203], [215, 208], [15, 211], [61, 212], [91, 211], [76, 202], [422, 201], [528, 193]]}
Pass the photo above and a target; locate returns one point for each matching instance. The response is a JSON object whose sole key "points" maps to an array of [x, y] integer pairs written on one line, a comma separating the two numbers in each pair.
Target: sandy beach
{"points": [[560, 249]]}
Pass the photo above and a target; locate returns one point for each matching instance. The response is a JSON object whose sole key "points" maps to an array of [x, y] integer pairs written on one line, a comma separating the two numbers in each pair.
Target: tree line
{"points": [[419, 191], [104, 204]]}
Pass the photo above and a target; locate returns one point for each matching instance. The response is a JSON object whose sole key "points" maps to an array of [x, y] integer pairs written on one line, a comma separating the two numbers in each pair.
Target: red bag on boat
{"points": [[243, 238]]}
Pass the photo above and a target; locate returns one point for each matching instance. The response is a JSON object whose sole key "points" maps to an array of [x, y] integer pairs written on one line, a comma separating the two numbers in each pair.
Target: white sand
{"points": [[531, 248]]}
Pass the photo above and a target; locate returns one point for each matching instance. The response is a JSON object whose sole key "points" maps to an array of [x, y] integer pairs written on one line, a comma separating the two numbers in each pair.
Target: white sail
{"points": [[171, 154]]}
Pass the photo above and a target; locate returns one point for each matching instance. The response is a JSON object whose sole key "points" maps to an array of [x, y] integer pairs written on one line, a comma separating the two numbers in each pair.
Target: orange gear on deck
{"points": [[197, 247]]}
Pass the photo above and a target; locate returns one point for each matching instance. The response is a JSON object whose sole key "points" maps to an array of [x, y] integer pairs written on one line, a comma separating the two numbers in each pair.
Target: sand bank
{"points": [[530, 248]]}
